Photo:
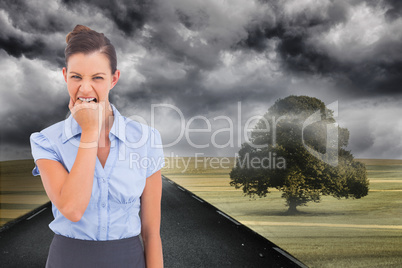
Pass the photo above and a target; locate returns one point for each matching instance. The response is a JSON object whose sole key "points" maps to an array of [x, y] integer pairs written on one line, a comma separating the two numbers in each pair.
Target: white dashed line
{"points": [[290, 257], [171, 182], [36, 214], [181, 188], [202, 201], [229, 218]]}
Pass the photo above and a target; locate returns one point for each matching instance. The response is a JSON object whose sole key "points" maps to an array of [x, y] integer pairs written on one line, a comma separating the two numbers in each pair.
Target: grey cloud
{"points": [[27, 31], [129, 16], [377, 74], [33, 104], [31, 98], [361, 140], [32, 27], [33, 18], [193, 98], [181, 45], [395, 10]]}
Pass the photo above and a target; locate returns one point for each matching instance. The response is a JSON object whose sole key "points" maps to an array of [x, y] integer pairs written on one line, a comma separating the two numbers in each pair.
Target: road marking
{"points": [[312, 224], [229, 218], [385, 190], [210, 189], [171, 182], [36, 214], [202, 201], [387, 181], [181, 188], [290, 257]]}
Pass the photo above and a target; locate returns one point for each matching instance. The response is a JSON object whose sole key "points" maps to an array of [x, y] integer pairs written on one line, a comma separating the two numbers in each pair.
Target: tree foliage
{"points": [[277, 158]]}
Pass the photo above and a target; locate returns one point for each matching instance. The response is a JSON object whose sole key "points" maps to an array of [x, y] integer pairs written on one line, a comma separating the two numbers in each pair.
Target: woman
{"points": [[87, 168]]}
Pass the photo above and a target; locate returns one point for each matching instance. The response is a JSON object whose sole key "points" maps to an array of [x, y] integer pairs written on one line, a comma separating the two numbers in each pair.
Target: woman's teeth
{"points": [[87, 99]]}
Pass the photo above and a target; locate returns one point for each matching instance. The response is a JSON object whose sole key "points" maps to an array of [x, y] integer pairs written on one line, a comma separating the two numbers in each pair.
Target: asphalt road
{"points": [[194, 234]]}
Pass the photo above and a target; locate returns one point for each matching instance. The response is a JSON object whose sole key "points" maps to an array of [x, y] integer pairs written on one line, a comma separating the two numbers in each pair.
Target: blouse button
{"points": [[103, 204]]}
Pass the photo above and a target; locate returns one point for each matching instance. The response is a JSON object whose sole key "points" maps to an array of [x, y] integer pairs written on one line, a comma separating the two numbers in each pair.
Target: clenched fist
{"points": [[89, 115]]}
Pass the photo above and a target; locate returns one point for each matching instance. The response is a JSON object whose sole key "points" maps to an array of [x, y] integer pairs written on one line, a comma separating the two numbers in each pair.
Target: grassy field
{"points": [[334, 233], [20, 192]]}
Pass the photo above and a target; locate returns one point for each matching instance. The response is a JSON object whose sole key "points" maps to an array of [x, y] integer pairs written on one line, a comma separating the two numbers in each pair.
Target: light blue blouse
{"points": [[113, 211]]}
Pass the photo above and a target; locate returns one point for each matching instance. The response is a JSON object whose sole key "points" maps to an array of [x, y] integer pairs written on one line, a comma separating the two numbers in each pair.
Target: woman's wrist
{"points": [[89, 139]]}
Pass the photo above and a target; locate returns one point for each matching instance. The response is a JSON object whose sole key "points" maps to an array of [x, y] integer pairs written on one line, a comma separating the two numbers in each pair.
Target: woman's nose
{"points": [[86, 86]]}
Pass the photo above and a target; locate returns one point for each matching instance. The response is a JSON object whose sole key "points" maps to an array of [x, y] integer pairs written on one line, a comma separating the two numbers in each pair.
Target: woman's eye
{"points": [[75, 76], [98, 77]]}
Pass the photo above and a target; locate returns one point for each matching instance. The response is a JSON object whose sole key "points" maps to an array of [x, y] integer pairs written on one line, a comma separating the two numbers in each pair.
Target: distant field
{"points": [[334, 233], [20, 192]]}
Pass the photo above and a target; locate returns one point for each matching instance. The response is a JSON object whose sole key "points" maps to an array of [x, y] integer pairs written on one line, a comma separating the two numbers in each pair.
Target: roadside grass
{"points": [[363, 232], [20, 191]]}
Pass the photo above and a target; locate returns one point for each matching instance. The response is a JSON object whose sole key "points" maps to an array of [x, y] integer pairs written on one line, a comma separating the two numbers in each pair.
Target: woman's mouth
{"points": [[88, 99]]}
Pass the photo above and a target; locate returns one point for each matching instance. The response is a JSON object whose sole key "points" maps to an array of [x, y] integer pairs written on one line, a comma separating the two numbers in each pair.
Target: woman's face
{"points": [[89, 76]]}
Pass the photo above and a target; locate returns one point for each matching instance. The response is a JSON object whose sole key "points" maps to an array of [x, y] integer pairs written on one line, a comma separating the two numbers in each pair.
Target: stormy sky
{"points": [[210, 63]]}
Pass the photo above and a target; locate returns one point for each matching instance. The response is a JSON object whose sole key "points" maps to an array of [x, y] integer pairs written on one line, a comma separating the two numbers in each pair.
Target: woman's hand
{"points": [[89, 115]]}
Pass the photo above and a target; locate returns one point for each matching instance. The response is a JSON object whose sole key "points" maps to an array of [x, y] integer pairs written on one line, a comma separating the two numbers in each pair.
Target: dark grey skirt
{"points": [[70, 252]]}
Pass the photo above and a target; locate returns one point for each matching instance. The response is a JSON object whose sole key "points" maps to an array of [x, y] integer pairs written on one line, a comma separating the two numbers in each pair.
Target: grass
{"points": [[334, 233], [20, 191], [363, 232]]}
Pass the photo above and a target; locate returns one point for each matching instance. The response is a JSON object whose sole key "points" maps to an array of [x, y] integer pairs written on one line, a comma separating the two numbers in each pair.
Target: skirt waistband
{"points": [[99, 242]]}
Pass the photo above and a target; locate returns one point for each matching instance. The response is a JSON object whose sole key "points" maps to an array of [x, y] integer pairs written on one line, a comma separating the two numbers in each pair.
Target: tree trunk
{"points": [[292, 207]]}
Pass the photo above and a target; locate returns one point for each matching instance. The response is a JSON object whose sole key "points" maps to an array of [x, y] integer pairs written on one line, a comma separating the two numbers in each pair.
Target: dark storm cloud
{"points": [[374, 127], [292, 31], [28, 121], [128, 15], [26, 33], [37, 48], [17, 47], [36, 31], [18, 124], [31, 25], [204, 57], [191, 96], [32, 100], [395, 10], [377, 74], [37, 20]]}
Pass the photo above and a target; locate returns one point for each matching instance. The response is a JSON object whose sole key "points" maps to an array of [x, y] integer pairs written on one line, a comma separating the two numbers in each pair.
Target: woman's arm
{"points": [[71, 192], [151, 220]]}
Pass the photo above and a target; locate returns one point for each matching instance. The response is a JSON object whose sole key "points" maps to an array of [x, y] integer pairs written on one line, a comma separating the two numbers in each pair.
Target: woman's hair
{"points": [[84, 40]]}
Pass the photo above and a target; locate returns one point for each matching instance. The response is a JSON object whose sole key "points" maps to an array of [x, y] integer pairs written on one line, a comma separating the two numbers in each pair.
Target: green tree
{"points": [[277, 156]]}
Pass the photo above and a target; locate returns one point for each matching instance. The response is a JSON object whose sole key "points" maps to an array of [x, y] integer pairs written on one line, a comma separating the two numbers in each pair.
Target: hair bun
{"points": [[77, 29]]}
